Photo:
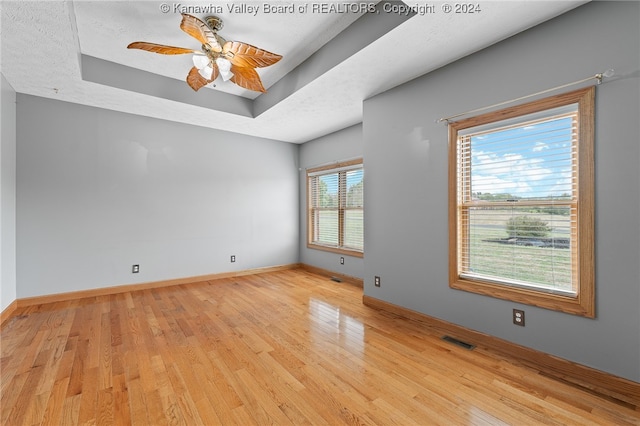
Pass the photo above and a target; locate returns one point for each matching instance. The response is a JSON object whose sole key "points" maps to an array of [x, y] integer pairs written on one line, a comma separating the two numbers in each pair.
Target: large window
{"points": [[335, 208], [521, 203]]}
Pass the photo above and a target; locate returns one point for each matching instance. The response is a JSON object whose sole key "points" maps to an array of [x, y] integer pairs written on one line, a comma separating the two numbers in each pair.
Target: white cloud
{"points": [[540, 146], [509, 173]]}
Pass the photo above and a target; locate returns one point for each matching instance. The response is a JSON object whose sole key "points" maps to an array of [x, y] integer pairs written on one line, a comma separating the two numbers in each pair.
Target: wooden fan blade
{"points": [[248, 56], [159, 48], [200, 31], [247, 78], [197, 81]]}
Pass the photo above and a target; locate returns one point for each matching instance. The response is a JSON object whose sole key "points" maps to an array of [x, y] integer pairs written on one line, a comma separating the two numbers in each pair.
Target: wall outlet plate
{"points": [[233, 258], [518, 317], [135, 269], [342, 260], [376, 281]]}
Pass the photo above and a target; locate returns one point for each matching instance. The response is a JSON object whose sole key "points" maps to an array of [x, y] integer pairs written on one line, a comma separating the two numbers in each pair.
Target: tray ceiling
{"points": [[333, 58]]}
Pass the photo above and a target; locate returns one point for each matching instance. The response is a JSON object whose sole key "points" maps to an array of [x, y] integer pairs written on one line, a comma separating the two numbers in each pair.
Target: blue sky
{"points": [[353, 178], [529, 161]]}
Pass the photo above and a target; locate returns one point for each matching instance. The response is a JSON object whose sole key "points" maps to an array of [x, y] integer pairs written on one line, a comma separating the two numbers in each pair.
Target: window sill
{"points": [[345, 251], [582, 306]]}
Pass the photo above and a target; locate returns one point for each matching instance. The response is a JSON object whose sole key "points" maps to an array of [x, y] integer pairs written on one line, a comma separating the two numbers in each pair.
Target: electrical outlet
{"points": [[342, 260], [518, 317], [233, 258], [135, 269], [376, 281]]}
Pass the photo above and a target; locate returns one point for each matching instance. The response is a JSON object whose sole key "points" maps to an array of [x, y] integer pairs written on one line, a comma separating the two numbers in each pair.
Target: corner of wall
{"points": [[8, 285], [344, 144]]}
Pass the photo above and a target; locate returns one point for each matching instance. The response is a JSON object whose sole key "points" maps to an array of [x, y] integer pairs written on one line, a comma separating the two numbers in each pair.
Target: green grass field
{"points": [[354, 228], [547, 266]]}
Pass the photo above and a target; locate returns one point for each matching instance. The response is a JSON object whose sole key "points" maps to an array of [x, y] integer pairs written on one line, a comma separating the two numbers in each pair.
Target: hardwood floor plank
{"points": [[137, 402], [187, 390], [105, 354], [70, 411], [89, 396], [105, 407], [285, 391], [26, 396], [284, 347], [278, 371], [121, 406], [213, 407], [225, 383], [154, 409], [53, 412], [10, 395], [242, 417], [400, 413], [261, 402]]}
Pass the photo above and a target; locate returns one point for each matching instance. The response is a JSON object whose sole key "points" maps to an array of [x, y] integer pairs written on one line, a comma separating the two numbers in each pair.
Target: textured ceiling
{"points": [[76, 52]]}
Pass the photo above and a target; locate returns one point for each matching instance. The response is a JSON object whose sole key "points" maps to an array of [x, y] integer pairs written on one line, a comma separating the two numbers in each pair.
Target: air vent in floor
{"points": [[460, 343]]}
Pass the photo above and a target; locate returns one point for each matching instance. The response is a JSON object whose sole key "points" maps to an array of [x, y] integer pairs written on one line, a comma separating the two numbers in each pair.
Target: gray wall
{"points": [[7, 194], [99, 191], [405, 155], [343, 145]]}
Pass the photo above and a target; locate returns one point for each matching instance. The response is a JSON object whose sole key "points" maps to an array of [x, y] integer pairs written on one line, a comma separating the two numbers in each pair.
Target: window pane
{"points": [[336, 207], [531, 161], [328, 191], [524, 168], [355, 186], [354, 215], [354, 229], [527, 246], [326, 227]]}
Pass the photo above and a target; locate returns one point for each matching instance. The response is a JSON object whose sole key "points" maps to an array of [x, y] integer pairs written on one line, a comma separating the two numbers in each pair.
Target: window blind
{"points": [[354, 210], [517, 201], [336, 207]]}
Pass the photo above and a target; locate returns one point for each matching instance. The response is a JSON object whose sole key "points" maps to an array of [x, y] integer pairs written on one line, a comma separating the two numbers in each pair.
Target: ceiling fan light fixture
{"points": [[206, 72], [224, 65], [203, 64], [200, 61]]}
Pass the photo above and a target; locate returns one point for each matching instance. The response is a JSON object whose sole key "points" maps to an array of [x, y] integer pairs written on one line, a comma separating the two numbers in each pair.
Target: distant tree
{"points": [[562, 211], [327, 199], [487, 196], [355, 195], [525, 226]]}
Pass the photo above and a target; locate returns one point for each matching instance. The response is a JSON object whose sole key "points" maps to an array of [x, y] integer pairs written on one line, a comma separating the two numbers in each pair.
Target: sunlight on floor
{"points": [[328, 322]]}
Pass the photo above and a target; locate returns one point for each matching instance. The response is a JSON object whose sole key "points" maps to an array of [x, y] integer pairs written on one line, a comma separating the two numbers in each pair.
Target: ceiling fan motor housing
{"points": [[214, 22]]}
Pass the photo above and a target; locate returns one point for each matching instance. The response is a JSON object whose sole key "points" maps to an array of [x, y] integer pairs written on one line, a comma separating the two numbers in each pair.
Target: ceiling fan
{"points": [[232, 60]]}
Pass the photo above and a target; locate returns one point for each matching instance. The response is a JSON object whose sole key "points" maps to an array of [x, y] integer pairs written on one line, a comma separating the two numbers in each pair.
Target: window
{"points": [[335, 208], [521, 203]]}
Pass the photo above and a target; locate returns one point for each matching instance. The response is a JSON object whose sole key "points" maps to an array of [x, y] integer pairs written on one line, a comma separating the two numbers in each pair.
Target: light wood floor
{"points": [[280, 348]]}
